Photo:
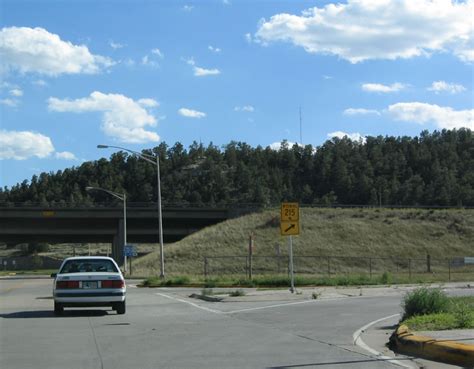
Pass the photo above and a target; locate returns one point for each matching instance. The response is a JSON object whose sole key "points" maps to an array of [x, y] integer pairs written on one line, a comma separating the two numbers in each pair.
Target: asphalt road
{"points": [[163, 328]]}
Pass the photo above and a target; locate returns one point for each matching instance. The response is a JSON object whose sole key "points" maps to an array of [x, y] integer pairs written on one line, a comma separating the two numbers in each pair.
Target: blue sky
{"points": [[75, 74]]}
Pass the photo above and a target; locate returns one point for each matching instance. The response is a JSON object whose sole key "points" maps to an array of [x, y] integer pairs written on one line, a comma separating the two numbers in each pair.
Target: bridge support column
{"points": [[118, 244]]}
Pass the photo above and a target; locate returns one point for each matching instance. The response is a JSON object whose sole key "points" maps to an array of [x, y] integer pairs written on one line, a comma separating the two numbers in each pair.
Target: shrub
{"points": [[237, 293], [386, 278], [462, 315], [36, 247], [423, 301], [177, 281]]}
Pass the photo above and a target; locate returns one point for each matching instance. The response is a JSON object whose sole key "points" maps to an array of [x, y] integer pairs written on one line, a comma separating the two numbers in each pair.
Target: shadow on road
{"points": [[50, 314], [337, 363]]}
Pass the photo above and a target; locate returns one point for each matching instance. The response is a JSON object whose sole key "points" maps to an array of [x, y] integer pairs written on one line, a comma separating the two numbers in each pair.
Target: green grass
{"points": [[279, 281], [459, 315], [376, 233], [28, 272]]}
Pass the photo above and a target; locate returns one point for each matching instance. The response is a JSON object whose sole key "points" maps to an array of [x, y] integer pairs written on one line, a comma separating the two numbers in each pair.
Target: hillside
{"points": [[359, 234]]}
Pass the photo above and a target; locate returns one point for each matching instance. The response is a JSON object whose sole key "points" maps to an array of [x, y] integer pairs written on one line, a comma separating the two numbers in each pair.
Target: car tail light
{"points": [[67, 284], [113, 284]]}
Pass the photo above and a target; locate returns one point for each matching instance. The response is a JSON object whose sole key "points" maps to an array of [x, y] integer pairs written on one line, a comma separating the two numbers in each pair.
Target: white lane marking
{"points": [[357, 340], [269, 306], [190, 303]]}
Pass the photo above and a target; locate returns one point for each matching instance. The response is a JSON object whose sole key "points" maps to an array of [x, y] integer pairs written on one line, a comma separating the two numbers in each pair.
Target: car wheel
{"points": [[58, 309], [120, 307]]}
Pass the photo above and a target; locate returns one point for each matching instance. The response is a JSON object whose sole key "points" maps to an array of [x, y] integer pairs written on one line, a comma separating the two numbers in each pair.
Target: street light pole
{"points": [[122, 197], [150, 159], [160, 219]]}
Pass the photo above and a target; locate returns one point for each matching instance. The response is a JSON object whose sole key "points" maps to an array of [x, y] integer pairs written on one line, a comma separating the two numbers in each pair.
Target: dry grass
{"points": [[325, 232]]}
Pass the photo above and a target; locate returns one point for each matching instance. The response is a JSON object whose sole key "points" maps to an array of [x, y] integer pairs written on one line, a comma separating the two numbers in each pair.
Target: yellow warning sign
{"points": [[289, 228], [290, 211]]}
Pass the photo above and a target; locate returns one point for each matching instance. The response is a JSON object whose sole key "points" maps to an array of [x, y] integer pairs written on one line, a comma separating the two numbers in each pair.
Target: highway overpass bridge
{"points": [[105, 224]]}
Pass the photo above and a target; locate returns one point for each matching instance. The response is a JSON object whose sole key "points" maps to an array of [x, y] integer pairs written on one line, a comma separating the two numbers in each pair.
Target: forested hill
{"points": [[432, 169]]}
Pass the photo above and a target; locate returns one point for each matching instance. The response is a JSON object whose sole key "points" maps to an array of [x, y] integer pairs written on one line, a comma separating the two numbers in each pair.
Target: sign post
{"points": [[290, 226]]}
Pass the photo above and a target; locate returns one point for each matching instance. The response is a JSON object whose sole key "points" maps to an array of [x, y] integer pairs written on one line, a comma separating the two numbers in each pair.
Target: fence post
{"points": [[449, 270], [409, 269], [370, 267], [329, 266], [428, 263], [250, 255], [205, 267]]}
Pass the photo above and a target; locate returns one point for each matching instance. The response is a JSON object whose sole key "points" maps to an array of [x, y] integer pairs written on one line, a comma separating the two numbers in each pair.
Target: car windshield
{"points": [[88, 266]]}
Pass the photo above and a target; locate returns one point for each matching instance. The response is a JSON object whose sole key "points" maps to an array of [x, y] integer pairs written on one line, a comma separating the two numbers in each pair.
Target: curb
{"points": [[206, 298], [450, 352]]}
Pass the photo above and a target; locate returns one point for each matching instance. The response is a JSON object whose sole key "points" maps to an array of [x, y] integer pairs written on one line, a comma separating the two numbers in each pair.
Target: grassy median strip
{"points": [[274, 281], [450, 313]]}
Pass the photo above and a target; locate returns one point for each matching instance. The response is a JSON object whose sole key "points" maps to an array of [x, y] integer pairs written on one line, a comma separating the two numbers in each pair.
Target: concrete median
{"points": [[446, 351]]}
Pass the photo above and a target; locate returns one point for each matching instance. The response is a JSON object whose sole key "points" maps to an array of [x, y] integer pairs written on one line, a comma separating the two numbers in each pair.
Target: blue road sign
{"points": [[130, 250]]}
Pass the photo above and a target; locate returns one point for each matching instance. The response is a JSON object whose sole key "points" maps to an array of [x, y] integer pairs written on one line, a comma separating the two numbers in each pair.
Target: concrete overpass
{"points": [[105, 224]]}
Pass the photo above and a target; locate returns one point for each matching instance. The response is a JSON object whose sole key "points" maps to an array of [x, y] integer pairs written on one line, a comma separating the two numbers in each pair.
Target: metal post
{"points": [[370, 267], [278, 252], [125, 229], [290, 252], [409, 269], [250, 256], [428, 263], [205, 267], [449, 270], [160, 221], [329, 266]]}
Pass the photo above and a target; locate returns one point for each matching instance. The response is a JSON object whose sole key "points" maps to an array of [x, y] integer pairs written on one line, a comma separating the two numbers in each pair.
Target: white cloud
{"points": [[123, 118], [189, 113], [327, 77], [129, 62], [116, 45], [214, 49], [201, 72], [40, 83], [148, 103], [188, 8], [377, 29], [442, 86], [158, 53], [443, 117], [9, 102], [377, 87], [353, 136], [277, 146], [16, 92], [360, 111], [21, 145], [248, 38], [38, 51], [246, 108], [149, 62], [65, 155], [226, 2]]}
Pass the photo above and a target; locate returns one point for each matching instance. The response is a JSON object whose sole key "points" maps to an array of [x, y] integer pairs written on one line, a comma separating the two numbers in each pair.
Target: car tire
{"points": [[120, 308], [58, 309]]}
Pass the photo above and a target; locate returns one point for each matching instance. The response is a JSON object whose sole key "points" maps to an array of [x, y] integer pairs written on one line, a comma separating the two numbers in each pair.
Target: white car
{"points": [[89, 281]]}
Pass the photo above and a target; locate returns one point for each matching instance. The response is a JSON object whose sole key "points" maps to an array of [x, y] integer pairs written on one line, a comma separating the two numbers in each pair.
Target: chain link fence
{"points": [[332, 266]]}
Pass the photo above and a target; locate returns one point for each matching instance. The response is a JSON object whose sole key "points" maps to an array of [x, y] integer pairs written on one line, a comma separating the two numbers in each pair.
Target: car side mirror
{"points": [[53, 275]]}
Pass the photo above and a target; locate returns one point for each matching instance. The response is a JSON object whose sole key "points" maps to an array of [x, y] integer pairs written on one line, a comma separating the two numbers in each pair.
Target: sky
{"points": [[75, 74]]}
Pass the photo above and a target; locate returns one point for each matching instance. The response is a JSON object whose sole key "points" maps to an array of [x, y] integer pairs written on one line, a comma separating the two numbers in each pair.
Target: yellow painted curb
{"points": [[450, 352]]}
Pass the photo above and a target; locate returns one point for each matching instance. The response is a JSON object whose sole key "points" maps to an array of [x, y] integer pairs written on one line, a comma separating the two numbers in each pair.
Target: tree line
{"points": [[433, 169]]}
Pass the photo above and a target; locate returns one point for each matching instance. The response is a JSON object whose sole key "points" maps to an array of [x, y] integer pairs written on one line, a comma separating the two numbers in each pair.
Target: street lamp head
{"points": [[88, 188], [102, 147]]}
